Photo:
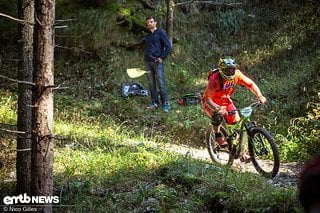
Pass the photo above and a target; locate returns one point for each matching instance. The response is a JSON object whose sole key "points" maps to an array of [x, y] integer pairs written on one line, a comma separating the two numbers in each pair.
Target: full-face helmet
{"points": [[227, 68]]}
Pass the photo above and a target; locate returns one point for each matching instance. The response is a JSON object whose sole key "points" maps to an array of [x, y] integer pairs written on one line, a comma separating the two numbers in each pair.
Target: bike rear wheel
{"points": [[264, 152], [218, 154]]}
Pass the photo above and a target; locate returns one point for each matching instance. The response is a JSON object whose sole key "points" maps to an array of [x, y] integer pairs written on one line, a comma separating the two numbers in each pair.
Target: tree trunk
{"points": [[170, 8], [42, 127], [25, 73]]}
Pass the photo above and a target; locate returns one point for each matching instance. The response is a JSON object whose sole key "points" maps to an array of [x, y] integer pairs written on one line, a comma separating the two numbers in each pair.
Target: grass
{"points": [[100, 165], [139, 177], [109, 151], [7, 108]]}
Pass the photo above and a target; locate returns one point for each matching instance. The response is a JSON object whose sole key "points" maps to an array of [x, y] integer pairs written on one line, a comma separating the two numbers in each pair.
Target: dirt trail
{"points": [[287, 176]]}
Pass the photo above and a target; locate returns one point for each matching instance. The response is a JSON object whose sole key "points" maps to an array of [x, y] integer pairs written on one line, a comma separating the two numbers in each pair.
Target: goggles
{"points": [[229, 71]]}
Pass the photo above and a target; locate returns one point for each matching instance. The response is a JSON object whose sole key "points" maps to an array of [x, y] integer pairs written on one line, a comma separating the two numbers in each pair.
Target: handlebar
{"points": [[255, 104], [250, 107]]}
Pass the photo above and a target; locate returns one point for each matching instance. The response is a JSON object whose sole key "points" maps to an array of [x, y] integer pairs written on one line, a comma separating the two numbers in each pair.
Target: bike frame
{"points": [[240, 129]]}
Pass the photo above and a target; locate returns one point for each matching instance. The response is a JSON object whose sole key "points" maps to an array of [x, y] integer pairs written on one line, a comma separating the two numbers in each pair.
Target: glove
{"points": [[262, 99], [223, 111]]}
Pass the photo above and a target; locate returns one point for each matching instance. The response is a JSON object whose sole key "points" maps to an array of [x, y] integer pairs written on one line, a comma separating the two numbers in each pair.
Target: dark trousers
{"points": [[156, 78]]}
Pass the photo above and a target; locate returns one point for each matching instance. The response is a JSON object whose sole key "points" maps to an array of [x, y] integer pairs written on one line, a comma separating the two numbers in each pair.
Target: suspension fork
{"points": [[243, 134], [248, 126]]}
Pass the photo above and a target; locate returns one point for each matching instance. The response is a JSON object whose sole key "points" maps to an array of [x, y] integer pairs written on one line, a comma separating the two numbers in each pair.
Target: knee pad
{"points": [[216, 119]]}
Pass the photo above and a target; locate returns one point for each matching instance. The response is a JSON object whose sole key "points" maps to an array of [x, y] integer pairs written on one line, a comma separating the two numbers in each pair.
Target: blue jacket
{"points": [[157, 45]]}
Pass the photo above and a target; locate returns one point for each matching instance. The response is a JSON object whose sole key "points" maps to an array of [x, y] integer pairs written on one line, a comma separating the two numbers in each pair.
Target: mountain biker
{"points": [[216, 100]]}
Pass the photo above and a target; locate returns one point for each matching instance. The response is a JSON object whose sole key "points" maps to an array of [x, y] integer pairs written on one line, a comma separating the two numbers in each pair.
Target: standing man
{"points": [[157, 48]]}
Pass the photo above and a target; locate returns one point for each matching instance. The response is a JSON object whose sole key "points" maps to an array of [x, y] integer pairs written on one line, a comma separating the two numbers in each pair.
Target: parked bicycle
{"points": [[261, 145]]}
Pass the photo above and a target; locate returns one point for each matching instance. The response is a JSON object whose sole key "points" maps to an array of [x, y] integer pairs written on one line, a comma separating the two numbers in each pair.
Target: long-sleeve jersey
{"points": [[220, 94]]}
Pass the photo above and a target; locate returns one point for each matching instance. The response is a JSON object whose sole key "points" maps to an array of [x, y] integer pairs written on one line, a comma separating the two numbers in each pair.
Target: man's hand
{"points": [[223, 111], [159, 60], [262, 99]]}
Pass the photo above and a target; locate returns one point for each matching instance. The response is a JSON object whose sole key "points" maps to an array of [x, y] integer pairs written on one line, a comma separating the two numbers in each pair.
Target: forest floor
{"points": [[288, 171], [287, 176]]}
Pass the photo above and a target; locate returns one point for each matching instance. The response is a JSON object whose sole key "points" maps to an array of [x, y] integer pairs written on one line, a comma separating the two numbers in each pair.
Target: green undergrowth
{"points": [[140, 176], [110, 151], [303, 134], [135, 174], [102, 165]]}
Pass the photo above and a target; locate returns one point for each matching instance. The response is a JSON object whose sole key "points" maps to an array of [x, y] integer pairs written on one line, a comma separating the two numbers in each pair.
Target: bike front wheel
{"points": [[264, 152], [218, 154]]}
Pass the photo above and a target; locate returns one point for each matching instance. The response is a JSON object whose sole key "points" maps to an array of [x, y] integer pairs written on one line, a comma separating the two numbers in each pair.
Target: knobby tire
{"points": [[215, 151], [264, 152]]}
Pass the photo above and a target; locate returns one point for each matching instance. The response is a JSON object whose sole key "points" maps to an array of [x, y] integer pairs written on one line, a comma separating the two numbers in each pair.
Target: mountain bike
{"points": [[261, 145]]}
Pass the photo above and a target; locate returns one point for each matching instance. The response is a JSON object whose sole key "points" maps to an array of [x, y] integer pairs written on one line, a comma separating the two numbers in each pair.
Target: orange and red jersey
{"points": [[220, 94]]}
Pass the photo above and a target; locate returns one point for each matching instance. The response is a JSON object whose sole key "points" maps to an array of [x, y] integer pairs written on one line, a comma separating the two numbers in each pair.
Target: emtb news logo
{"points": [[26, 199]]}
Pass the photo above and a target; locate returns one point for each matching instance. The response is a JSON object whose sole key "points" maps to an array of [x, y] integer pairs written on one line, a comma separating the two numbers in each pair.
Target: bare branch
{"points": [[209, 2], [59, 21], [24, 150], [53, 87], [60, 27], [67, 36], [182, 3], [59, 87], [16, 19], [74, 48], [38, 21], [17, 81], [12, 131], [65, 20]]}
